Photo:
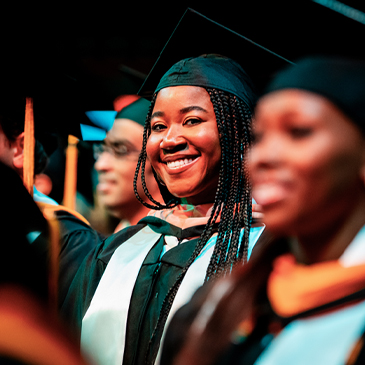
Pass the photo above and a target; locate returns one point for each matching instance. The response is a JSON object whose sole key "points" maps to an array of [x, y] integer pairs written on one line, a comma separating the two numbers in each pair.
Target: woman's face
{"points": [[306, 162], [184, 147]]}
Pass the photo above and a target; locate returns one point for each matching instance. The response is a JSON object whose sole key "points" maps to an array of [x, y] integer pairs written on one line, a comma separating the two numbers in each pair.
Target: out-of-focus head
{"points": [[12, 115], [116, 160], [308, 159]]}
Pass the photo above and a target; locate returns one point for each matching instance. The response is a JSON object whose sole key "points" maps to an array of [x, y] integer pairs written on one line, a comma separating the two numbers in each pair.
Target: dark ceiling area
{"points": [[111, 47]]}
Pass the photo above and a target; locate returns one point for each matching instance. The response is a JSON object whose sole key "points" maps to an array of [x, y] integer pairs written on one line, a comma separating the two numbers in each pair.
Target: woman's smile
{"points": [[179, 164], [270, 193]]}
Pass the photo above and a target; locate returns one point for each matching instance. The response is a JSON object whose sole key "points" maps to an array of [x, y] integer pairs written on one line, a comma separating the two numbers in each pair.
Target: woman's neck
{"points": [[185, 215], [330, 242]]}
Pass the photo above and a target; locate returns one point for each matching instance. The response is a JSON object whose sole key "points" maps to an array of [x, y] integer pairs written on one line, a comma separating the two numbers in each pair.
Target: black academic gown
{"points": [[156, 276], [77, 240]]}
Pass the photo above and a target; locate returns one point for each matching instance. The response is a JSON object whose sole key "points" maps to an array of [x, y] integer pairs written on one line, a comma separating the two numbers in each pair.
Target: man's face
{"points": [[116, 166]]}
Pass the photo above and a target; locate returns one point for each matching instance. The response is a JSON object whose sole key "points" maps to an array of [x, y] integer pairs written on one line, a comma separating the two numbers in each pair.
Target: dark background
{"points": [[110, 47], [95, 42]]}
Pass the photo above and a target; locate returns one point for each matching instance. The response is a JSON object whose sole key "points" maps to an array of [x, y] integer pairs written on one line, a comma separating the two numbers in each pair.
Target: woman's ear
{"points": [[18, 148]]}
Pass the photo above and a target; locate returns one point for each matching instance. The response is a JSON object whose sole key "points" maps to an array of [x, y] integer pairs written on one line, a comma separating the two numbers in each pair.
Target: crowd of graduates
{"points": [[232, 204]]}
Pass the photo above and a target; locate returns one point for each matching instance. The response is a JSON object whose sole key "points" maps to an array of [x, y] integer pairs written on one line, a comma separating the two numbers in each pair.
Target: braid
{"points": [[141, 164], [235, 131], [246, 212], [232, 201]]}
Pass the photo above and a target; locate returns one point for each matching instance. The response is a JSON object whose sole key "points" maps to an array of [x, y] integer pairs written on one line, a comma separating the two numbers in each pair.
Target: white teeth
{"points": [[179, 163]]}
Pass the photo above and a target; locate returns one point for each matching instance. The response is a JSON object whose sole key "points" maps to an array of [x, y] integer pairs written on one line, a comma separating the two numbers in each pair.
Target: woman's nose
{"points": [[173, 140], [267, 152]]}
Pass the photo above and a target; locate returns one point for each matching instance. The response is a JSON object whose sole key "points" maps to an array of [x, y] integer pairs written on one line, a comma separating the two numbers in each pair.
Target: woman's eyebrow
{"points": [[181, 111], [191, 108], [157, 114]]}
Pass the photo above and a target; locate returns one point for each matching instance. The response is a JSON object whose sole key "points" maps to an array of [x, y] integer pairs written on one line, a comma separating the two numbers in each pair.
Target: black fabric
{"points": [[156, 276], [77, 239], [242, 352], [87, 278], [22, 263], [5, 360], [179, 325], [195, 35], [163, 227], [340, 80], [154, 280], [211, 71]]}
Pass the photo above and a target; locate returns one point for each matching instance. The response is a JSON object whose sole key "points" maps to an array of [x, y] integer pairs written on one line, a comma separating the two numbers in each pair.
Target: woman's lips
{"points": [[180, 164], [269, 193]]}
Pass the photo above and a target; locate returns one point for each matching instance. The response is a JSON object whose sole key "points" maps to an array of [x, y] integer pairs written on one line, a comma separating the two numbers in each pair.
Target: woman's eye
{"points": [[157, 127], [192, 121], [300, 132]]}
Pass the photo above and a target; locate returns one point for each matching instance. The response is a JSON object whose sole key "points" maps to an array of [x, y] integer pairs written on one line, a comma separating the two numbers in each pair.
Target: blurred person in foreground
{"points": [[30, 330], [301, 299]]}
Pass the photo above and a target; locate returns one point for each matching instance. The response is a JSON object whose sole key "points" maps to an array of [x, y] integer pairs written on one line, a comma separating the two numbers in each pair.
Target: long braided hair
{"points": [[232, 200]]}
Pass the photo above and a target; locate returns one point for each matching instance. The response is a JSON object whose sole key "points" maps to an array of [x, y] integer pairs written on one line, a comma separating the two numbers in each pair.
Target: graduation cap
{"points": [[196, 34], [101, 121]]}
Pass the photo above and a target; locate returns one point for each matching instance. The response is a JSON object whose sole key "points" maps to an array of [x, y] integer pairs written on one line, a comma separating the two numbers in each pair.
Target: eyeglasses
{"points": [[118, 150]]}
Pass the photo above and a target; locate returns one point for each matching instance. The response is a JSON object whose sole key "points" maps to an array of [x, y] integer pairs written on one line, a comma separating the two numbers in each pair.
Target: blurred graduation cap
{"points": [[196, 34], [103, 120]]}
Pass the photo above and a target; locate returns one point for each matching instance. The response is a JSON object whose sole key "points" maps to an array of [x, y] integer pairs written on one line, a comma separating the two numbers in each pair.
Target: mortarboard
{"points": [[340, 80], [101, 121], [196, 34], [136, 111]]}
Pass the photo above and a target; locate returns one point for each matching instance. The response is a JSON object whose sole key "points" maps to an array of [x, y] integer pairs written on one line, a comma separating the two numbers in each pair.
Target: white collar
{"points": [[354, 253]]}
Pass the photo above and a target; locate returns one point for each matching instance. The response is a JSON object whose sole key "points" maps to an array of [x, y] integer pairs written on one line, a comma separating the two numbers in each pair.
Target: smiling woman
{"points": [[195, 138], [195, 145]]}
